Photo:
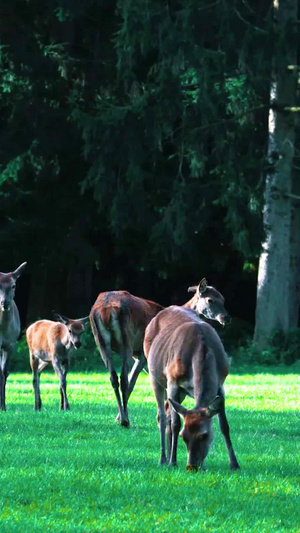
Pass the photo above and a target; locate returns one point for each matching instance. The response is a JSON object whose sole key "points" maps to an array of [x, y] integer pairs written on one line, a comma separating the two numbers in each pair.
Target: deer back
{"points": [[45, 335], [123, 317], [168, 320], [180, 347]]}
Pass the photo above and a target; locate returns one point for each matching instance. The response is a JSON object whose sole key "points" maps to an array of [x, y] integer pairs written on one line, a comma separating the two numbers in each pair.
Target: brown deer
{"points": [[209, 302], [53, 342], [119, 320], [10, 327], [186, 357]]}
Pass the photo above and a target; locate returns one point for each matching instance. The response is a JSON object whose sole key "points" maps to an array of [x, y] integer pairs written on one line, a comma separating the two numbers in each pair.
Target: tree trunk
{"points": [[294, 301], [273, 288]]}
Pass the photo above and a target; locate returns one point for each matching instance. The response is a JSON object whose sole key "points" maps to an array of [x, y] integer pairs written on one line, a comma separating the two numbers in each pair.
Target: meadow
{"points": [[79, 471]]}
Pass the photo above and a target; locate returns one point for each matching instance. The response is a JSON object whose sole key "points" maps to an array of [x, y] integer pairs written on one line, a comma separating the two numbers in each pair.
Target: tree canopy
{"points": [[134, 139]]}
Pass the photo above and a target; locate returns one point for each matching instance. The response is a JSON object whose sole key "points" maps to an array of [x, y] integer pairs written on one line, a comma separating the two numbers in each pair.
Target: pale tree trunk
{"points": [[294, 301], [273, 287]]}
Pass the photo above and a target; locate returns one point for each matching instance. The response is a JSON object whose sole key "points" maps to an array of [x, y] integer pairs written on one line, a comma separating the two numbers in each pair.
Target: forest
{"points": [[146, 145], [151, 147]]}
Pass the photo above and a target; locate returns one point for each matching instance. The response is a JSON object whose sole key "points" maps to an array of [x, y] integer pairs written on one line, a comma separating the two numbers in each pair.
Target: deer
{"points": [[186, 357], [52, 342], [10, 326], [209, 302], [119, 319]]}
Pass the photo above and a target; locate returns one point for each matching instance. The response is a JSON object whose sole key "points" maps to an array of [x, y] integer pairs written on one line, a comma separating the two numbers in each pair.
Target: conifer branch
{"points": [[249, 23]]}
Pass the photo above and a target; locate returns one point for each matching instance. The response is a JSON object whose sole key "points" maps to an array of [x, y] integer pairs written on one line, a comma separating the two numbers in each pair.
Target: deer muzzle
{"points": [[224, 319], [77, 344], [5, 305]]}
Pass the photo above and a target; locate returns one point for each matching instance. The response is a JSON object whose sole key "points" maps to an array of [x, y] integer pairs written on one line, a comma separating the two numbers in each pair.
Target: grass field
{"points": [[80, 472]]}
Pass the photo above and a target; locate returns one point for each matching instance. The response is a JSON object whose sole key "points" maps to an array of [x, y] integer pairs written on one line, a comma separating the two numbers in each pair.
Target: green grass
{"points": [[80, 472]]}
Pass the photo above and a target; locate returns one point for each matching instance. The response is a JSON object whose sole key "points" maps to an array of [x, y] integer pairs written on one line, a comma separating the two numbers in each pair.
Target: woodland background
{"points": [[134, 149]]}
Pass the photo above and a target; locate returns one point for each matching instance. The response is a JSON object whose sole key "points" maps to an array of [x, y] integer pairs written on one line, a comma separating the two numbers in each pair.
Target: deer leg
{"points": [[36, 388], [175, 428], [64, 404], [159, 393], [174, 424], [3, 378], [124, 389], [36, 366], [135, 371], [121, 417], [105, 351], [161, 420], [2, 391], [168, 430], [224, 426], [61, 369], [115, 385]]}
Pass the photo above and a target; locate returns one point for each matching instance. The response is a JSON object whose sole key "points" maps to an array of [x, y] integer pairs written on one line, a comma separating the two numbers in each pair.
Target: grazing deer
{"points": [[119, 320], [10, 327], [53, 342], [186, 357]]}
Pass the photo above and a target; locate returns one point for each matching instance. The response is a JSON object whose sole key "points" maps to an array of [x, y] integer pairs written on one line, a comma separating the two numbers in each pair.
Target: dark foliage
{"points": [[132, 147]]}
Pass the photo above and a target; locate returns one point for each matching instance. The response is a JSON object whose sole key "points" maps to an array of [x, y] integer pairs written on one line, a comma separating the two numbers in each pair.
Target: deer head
{"points": [[197, 430], [209, 302], [75, 327], [8, 286]]}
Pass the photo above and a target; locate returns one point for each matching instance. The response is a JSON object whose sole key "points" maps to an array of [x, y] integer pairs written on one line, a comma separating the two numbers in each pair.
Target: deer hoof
{"points": [[163, 461], [191, 468]]}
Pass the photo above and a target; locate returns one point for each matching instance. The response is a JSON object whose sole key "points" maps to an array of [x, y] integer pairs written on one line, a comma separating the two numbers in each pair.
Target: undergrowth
{"points": [[237, 339]]}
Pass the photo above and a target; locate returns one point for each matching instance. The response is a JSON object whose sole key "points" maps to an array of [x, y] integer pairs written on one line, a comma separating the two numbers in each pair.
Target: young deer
{"points": [[186, 357], [53, 342], [9, 324]]}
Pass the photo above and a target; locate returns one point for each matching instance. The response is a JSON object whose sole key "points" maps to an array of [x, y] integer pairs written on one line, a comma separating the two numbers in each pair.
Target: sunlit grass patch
{"points": [[79, 471]]}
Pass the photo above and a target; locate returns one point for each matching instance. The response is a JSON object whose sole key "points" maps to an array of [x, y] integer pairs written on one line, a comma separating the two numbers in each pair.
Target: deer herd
{"points": [[184, 354]]}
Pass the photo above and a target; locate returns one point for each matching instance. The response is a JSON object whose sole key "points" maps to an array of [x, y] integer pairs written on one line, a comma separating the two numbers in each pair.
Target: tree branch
{"points": [[249, 23], [235, 117], [290, 195]]}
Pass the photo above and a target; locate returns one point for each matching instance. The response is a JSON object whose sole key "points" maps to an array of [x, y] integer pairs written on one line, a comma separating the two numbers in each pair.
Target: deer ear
{"points": [[85, 320], [60, 318], [202, 286], [193, 288], [19, 270], [215, 406], [180, 409]]}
